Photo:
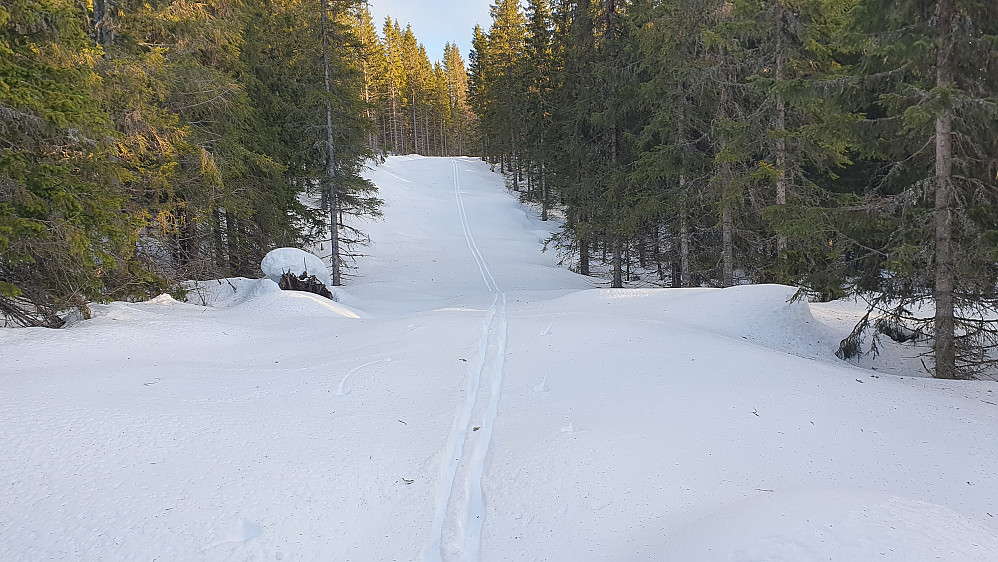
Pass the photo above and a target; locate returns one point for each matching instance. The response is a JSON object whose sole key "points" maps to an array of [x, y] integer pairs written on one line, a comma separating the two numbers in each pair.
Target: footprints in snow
{"points": [[542, 386]]}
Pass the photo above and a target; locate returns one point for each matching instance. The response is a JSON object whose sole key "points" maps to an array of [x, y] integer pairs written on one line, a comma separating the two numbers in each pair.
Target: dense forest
{"points": [[845, 146], [147, 143], [849, 147]]}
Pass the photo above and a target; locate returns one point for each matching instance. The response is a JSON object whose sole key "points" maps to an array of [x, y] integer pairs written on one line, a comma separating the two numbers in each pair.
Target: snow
{"points": [[833, 524], [468, 399], [279, 261]]}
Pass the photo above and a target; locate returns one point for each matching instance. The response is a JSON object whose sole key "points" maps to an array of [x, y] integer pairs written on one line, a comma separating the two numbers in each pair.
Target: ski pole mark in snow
{"points": [[543, 385], [342, 390], [460, 508]]}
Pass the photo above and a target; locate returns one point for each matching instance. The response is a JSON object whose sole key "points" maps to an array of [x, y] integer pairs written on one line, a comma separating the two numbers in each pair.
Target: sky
{"points": [[436, 22]]}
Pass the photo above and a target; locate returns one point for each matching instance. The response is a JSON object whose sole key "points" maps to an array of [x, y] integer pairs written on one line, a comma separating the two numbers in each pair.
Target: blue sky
{"points": [[436, 22]]}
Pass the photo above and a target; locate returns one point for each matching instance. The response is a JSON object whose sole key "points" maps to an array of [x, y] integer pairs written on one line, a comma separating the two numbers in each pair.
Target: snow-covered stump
{"points": [[297, 270]]}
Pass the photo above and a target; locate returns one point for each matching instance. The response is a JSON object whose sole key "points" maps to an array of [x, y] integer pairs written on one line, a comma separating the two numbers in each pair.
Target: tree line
{"points": [[845, 146], [143, 143], [418, 107]]}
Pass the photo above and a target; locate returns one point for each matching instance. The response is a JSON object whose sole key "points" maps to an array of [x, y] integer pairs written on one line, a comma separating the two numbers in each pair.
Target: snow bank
{"points": [[758, 314], [295, 304], [281, 260], [228, 293], [263, 298], [833, 524]]}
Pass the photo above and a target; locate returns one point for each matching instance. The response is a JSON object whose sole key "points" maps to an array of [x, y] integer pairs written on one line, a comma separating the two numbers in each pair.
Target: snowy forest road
{"points": [[487, 407], [460, 513]]}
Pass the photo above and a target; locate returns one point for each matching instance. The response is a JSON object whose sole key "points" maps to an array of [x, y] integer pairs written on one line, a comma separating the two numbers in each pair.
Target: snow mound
{"points": [[281, 260], [760, 314], [295, 304], [228, 293], [833, 524], [262, 298]]}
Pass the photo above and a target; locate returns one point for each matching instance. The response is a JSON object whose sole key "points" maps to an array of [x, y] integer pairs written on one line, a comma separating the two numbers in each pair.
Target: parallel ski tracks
{"points": [[459, 513]]}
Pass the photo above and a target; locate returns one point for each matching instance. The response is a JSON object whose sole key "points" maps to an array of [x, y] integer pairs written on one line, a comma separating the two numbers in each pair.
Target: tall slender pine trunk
{"points": [[726, 176], [780, 126], [944, 324], [334, 207], [684, 239], [545, 203], [618, 269], [415, 128]]}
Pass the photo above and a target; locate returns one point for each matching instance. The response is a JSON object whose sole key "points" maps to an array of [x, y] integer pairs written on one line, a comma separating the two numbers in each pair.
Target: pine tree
{"points": [[461, 116], [537, 77], [373, 64], [64, 238], [506, 51], [937, 63], [481, 90]]}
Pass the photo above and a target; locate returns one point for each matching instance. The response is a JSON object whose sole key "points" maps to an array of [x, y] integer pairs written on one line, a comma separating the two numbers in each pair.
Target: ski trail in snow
{"points": [[476, 511], [459, 433], [490, 282], [340, 391], [459, 513]]}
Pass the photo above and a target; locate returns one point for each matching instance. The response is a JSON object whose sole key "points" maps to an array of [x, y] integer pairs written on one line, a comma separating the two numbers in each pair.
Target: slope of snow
{"points": [[833, 524], [467, 399]]}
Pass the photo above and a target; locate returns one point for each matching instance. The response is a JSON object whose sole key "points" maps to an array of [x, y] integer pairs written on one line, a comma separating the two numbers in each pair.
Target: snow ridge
{"points": [[460, 509]]}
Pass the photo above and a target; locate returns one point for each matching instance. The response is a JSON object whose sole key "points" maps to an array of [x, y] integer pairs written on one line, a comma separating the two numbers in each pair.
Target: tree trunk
{"points": [[727, 245], [415, 128], [584, 256], [515, 166], [395, 120], [780, 126], [103, 32], [544, 194], [943, 324], [530, 181], [618, 278], [726, 176], [334, 208], [684, 240]]}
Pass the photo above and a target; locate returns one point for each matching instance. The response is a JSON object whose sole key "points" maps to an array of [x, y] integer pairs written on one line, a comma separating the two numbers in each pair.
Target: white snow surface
{"points": [[469, 399], [279, 261]]}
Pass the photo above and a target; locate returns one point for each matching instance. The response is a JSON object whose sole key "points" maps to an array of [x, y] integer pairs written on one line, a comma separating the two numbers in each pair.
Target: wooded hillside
{"points": [[846, 146], [146, 143]]}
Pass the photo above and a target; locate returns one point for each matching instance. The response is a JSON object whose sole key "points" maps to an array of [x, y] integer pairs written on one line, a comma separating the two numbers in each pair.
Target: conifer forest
{"points": [[846, 147]]}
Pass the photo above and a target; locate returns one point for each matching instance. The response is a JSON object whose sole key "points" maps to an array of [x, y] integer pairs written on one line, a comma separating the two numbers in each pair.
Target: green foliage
{"points": [[165, 151], [742, 141]]}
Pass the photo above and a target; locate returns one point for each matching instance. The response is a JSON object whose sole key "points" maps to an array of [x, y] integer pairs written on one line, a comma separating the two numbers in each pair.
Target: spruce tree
{"points": [[66, 237], [936, 63]]}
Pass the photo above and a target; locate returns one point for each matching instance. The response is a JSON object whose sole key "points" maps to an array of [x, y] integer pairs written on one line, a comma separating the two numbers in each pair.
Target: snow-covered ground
{"points": [[467, 399]]}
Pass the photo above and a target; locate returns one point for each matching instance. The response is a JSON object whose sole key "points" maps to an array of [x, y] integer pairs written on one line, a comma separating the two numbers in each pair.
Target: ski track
{"points": [[459, 513], [490, 282], [342, 390]]}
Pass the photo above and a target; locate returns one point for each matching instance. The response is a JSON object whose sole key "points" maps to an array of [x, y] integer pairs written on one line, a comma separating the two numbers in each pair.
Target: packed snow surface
{"points": [[469, 399]]}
